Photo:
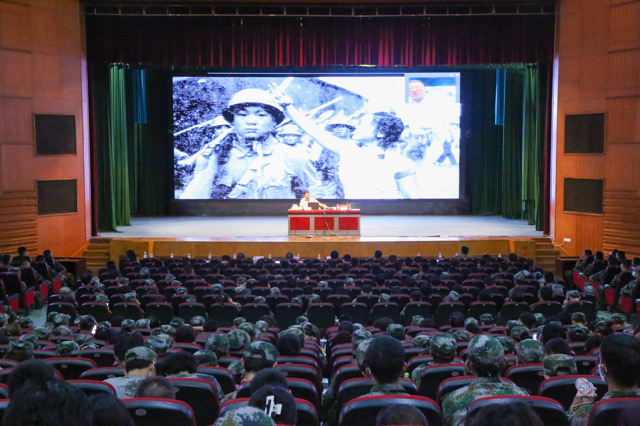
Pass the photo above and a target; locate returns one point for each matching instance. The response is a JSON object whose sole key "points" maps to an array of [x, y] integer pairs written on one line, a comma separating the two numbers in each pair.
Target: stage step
{"points": [[97, 253], [546, 254]]}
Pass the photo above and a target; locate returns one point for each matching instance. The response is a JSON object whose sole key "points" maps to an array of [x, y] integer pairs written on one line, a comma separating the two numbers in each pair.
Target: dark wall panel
{"points": [[584, 134], [57, 196], [55, 134], [583, 195]]}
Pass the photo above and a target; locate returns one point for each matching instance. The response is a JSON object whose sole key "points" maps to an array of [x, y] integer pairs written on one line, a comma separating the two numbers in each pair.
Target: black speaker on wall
{"points": [[583, 195], [55, 134], [57, 196], [584, 134]]}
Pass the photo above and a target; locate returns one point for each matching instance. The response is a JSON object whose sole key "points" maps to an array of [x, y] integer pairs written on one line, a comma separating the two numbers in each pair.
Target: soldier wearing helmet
{"points": [[245, 164], [298, 161]]}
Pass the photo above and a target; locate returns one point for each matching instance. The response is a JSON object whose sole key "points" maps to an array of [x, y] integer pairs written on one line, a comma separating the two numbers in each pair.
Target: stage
{"points": [[263, 236]]}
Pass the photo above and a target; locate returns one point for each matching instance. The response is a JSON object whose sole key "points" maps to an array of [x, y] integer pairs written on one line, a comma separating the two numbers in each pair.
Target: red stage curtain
{"points": [[311, 42]]}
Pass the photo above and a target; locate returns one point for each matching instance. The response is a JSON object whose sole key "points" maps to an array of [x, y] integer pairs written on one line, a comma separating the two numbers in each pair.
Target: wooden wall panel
{"points": [[622, 221], [42, 56], [625, 18], [623, 72], [18, 221], [623, 123]]}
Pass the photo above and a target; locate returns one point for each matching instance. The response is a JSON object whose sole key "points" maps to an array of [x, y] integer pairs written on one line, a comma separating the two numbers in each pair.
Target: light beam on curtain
{"points": [[533, 146]]}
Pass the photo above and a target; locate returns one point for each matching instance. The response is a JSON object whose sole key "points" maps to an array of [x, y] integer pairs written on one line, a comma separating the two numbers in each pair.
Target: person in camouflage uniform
{"points": [[238, 339], [197, 321], [508, 344], [85, 341], [68, 348], [396, 331], [258, 356], [422, 341], [159, 344], [128, 325], [140, 362], [219, 344], [384, 361], [485, 361], [25, 322], [529, 351], [42, 333], [620, 368], [519, 333], [559, 365], [579, 318], [143, 323], [578, 333], [245, 416], [184, 365], [176, 322], [443, 350], [206, 358]]}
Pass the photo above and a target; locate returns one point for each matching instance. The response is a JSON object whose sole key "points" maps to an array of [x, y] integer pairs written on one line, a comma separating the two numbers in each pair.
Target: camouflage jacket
{"points": [[387, 389], [579, 414], [126, 386], [454, 405]]}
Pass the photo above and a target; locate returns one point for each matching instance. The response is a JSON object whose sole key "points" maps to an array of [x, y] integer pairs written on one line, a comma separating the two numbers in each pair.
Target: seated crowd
{"points": [[416, 341]]}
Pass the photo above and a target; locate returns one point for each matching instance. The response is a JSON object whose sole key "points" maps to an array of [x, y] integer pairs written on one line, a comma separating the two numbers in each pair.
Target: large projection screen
{"points": [[340, 136]]}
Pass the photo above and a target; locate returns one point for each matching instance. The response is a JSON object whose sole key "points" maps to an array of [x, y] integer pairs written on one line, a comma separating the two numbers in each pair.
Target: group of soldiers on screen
{"points": [[263, 147]]}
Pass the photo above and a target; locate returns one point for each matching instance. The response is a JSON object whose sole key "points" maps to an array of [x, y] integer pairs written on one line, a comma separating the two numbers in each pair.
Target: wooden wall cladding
{"points": [[18, 221], [622, 221]]}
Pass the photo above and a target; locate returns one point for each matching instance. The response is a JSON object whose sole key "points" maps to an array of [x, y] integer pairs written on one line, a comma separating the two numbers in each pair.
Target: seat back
{"points": [[358, 312], [71, 368], [363, 411], [416, 308], [102, 373], [321, 314], [527, 376], [478, 308], [156, 411], [512, 310], [433, 375], [287, 313], [224, 313], [188, 310], [253, 312], [102, 357], [302, 372], [128, 310], [445, 309], [304, 389], [201, 395], [93, 387], [222, 375], [607, 411], [563, 388], [550, 412], [386, 309]]}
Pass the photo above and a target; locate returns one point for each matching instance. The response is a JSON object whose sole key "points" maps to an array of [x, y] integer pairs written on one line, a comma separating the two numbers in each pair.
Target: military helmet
{"points": [[249, 97], [291, 129], [219, 121]]}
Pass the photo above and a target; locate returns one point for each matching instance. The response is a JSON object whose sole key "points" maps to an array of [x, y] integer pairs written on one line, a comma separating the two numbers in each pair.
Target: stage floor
{"points": [[380, 228]]}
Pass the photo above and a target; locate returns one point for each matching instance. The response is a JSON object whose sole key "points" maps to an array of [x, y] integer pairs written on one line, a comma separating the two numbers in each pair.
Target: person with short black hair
{"points": [[210, 326], [185, 334], [184, 365], [619, 367], [32, 372], [108, 410], [552, 330], [384, 362], [512, 414], [277, 402], [139, 363], [124, 342], [50, 403], [156, 387], [268, 377], [401, 414], [288, 345]]}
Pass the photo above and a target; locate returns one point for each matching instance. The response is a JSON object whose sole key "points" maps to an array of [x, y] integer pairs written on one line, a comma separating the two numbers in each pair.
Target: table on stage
{"points": [[319, 223]]}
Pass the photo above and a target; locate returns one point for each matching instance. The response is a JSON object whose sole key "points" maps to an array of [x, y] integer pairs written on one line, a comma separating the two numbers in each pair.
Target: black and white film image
{"points": [[342, 137]]}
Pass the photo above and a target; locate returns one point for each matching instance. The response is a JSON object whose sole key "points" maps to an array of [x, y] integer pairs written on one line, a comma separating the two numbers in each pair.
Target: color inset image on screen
{"points": [[340, 136]]}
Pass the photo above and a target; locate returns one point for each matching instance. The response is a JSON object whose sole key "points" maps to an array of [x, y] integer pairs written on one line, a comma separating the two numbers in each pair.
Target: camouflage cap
{"points": [[470, 320], [8, 310], [618, 319], [30, 338], [462, 335], [559, 364], [158, 344], [65, 290], [248, 327], [236, 368], [84, 340], [302, 319], [348, 281], [180, 289], [358, 326], [486, 319], [416, 320], [384, 297], [164, 329], [176, 322], [241, 280], [169, 277], [77, 319], [127, 325], [530, 351], [104, 324], [314, 298], [217, 288], [22, 346], [519, 333], [217, 343], [539, 318], [296, 299], [61, 319], [259, 299], [206, 358], [262, 325], [602, 326], [42, 333], [61, 330], [197, 321], [275, 291], [578, 317], [25, 322], [443, 345], [99, 287], [239, 320], [296, 331], [102, 298], [396, 331], [123, 280], [238, 339], [129, 297], [51, 315], [453, 296], [323, 284], [359, 335], [573, 294], [261, 350], [422, 341], [67, 348], [578, 333], [311, 330], [143, 323], [485, 351], [140, 353], [144, 271], [513, 323], [557, 288], [240, 290], [508, 344], [361, 350], [249, 416]]}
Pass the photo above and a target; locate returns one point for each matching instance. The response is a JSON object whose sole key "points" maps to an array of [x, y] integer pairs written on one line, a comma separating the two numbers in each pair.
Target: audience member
{"points": [[401, 414], [108, 410], [156, 387], [139, 363]]}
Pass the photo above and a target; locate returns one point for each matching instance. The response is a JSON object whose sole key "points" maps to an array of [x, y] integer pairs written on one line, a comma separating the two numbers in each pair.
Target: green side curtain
{"points": [[118, 155], [512, 145], [533, 146]]}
